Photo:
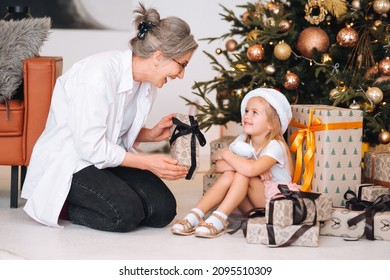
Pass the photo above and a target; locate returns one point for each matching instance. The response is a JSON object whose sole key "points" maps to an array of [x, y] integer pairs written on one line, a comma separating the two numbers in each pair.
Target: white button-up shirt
{"points": [[96, 113]]}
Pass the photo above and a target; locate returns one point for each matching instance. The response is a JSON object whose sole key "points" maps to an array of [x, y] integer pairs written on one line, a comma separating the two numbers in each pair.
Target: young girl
{"points": [[246, 183]]}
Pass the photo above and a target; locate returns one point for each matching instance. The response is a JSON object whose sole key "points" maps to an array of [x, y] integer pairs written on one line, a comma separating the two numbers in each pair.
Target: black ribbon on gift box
{"points": [[382, 203], [299, 214], [184, 129], [255, 212], [299, 209]]}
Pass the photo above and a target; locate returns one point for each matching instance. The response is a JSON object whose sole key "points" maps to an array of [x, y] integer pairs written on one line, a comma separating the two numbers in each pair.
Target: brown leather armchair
{"points": [[24, 120]]}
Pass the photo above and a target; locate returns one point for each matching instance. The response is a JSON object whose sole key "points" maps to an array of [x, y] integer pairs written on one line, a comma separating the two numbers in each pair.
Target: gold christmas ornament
{"points": [[252, 35], [231, 45], [241, 67], [334, 93], [384, 67], [356, 5], [347, 37], [255, 53], [384, 137], [368, 107], [374, 94], [285, 25], [381, 6], [382, 105], [245, 17], [218, 51], [342, 86], [320, 12], [276, 8], [354, 106], [312, 38], [282, 51], [270, 69], [291, 81], [326, 58]]}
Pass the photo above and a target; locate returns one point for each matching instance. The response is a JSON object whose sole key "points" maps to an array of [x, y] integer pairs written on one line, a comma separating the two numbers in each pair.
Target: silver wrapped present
{"points": [[209, 179], [185, 141], [370, 192], [219, 144], [259, 232], [338, 225], [377, 168], [292, 211]]}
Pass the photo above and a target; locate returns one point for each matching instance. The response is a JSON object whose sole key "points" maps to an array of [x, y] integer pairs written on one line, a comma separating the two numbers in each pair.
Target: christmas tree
{"points": [[332, 52]]}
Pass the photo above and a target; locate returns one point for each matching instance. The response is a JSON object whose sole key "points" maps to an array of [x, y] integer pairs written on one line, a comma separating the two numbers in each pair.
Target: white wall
{"points": [[203, 17]]}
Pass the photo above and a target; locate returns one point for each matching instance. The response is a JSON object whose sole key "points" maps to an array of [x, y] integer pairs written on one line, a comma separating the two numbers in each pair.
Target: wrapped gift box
{"points": [[219, 144], [338, 225], [377, 168], [216, 145], [370, 192], [209, 179], [185, 142], [337, 136], [257, 233], [282, 212]]}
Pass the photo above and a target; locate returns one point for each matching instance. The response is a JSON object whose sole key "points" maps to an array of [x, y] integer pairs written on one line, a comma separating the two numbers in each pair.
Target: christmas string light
{"points": [[335, 67]]}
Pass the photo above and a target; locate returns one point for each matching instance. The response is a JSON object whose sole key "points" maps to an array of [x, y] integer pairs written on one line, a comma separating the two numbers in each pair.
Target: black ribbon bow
{"points": [[184, 129], [382, 203], [256, 212], [299, 209]]}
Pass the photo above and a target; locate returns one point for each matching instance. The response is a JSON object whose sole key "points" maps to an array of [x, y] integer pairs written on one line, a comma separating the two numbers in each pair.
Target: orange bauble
{"points": [[347, 37], [255, 53], [312, 38]]}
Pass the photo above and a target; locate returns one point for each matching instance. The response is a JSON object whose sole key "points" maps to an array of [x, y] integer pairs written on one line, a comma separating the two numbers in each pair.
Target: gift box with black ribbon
{"points": [[185, 141], [370, 192], [360, 219], [259, 232], [297, 207]]}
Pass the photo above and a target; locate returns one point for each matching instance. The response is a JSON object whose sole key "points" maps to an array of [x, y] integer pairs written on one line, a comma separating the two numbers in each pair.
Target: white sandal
{"points": [[187, 229], [213, 232]]}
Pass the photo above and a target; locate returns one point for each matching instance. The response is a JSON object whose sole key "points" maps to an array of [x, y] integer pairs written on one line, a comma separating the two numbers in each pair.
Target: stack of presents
{"points": [[340, 196]]}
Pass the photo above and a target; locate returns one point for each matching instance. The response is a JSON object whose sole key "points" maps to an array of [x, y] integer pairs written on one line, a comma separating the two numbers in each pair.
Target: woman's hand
{"points": [[165, 167], [161, 165], [161, 131]]}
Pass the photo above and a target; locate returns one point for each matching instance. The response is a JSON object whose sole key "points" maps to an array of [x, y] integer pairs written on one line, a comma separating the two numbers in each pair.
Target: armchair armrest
{"points": [[40, 75]]}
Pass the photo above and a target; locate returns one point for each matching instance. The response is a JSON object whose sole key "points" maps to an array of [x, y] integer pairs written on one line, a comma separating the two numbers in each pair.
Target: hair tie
{"points": [[143, 28]]}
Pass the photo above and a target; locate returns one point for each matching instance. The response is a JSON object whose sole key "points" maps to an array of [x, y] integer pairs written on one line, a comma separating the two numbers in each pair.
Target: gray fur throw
{"points": [[19, 40]]}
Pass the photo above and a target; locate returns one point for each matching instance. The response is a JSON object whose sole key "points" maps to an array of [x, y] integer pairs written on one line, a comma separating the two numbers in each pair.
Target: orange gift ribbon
{"points": [[307, 133]]}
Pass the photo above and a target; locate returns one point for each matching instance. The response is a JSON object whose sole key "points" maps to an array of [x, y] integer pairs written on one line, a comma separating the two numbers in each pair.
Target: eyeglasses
{"points": [[182, 65]]}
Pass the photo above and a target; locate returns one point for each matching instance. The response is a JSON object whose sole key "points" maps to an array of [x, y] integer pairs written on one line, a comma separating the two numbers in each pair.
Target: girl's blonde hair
{"points": [[276, 131], [171, 35]]}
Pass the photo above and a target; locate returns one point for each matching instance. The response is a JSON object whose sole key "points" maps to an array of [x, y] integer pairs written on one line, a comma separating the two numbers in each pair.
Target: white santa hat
{"points": [[276, 99]]}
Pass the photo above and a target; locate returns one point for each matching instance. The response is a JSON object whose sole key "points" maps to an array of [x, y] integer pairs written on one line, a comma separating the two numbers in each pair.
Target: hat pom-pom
{"points": [[243, 149]]}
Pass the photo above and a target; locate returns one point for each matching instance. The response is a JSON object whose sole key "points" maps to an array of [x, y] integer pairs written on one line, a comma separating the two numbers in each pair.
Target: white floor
{"points": [[21, 238]]}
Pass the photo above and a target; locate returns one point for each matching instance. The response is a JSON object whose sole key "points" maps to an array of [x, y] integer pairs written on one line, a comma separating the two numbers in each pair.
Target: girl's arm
{"points": [[248, 167]]}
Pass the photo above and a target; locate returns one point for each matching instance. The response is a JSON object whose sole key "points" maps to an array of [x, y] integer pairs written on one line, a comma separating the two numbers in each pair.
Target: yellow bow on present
{"points": [[307, 133]]}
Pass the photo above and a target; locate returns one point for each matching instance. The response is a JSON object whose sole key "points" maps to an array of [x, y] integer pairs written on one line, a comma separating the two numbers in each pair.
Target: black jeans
{"points": [[119, 199]]}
